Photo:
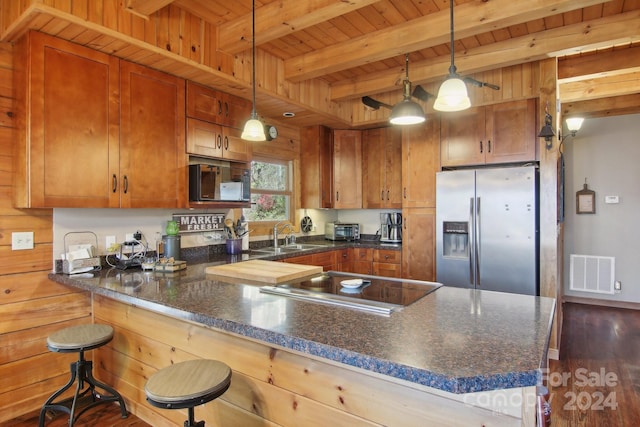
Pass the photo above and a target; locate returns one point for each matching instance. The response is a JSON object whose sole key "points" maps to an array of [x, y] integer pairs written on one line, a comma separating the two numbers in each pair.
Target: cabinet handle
{"points": [[489, 143], [382, 195], [404, 192], [226, 142], [114, 181], [226, 109], [337, 196], [387, 195], [219, 139], [219, 108], [126, 184], [480, 146]]}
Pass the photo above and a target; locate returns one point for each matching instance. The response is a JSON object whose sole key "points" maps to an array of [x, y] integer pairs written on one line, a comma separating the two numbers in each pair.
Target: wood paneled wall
{"points": [[31, 306]]}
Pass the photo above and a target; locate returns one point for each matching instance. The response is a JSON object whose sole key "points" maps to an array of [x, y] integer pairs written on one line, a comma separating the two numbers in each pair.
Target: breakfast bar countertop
{"points": [[455, 340]]}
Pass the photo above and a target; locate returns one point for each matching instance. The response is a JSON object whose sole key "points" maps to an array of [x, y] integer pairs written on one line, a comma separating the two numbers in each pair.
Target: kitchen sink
{"points": [[287, 249]]}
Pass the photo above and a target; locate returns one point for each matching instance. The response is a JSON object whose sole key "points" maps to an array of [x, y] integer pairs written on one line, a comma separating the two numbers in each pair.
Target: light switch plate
{"points": [[611, 199], [21, 240]]}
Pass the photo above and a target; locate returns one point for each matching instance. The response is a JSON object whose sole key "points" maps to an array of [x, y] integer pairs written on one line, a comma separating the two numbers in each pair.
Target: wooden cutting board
{"points": [[264, 271]]}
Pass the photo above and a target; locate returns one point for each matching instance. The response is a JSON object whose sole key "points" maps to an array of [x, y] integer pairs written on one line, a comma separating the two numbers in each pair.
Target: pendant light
{"points": [[453, 91], [253, 129], [406, 112]]}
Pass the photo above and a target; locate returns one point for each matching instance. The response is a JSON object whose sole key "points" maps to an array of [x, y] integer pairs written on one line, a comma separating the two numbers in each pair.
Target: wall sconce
{"points": [[573, 124]]}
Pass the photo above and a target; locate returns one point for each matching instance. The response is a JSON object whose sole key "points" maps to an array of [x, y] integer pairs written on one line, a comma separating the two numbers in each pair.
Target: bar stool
{"points": [[188, 384], [78, 339]]}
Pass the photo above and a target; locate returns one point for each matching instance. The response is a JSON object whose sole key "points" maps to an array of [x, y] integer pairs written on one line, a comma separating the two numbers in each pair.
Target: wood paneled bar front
{"points": [[302, 364]]}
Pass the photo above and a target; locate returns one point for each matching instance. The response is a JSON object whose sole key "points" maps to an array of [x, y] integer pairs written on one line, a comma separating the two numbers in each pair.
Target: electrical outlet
{"points": [[128, 237], [21, 240], [617, 285]]}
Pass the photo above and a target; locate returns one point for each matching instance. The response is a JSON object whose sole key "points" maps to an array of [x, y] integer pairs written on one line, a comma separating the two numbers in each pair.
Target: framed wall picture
{"points": [[585, 201]]}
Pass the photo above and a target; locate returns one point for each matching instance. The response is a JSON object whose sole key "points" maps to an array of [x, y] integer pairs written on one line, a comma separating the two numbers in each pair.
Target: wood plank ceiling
{"points": [[341, 50], [358, 47]]}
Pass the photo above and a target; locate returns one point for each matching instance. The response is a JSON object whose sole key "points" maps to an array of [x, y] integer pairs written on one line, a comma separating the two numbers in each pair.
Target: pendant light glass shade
{"points": [[574, 124], [253, 129], [452, 95], [406, 112]]}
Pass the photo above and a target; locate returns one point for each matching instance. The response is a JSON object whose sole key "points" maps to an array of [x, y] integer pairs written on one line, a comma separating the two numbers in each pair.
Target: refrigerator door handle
{"points": [[478, 237], [472, 246]]}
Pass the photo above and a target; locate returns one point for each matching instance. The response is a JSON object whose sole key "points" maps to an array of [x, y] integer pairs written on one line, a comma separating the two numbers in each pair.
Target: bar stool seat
{"points": [[78, 339], [188, 384]]}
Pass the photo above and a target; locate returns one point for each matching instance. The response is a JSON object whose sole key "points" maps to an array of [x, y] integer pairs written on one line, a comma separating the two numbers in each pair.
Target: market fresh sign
{"points": [[190, 223]]}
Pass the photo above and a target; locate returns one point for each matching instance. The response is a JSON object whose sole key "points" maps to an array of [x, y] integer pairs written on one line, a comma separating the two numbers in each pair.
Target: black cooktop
{"points": [[389, 290]]}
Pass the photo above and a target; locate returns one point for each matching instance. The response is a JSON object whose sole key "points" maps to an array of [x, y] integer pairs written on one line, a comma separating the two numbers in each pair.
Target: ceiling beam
{"points": [[471, 18], [604, 107], [602, 87], [280, 18], [146, 7], [571, 39], [599, 64]]}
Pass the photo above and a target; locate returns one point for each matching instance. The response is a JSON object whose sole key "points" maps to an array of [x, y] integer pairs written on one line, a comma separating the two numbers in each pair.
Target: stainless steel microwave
{"points": [[341, 231], [218, 182]]}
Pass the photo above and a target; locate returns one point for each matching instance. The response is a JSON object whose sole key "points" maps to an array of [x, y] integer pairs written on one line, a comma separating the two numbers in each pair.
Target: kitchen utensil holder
{"points": [[234, 246], [93, 262]]}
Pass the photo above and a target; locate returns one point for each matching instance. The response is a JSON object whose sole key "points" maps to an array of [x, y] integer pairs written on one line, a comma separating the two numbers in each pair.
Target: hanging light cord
{"points": [[452, 68], [254, 114]]}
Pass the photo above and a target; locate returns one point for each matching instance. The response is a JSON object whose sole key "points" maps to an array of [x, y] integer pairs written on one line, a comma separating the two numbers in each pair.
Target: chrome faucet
{"points": [[280, 227]]}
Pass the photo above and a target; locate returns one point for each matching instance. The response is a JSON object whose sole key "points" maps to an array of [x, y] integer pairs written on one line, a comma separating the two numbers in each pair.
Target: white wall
{"points": [[606, 152]]}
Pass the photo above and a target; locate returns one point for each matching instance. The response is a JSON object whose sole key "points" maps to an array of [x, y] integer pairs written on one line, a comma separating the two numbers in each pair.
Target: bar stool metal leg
{"points": [[78, 339]]}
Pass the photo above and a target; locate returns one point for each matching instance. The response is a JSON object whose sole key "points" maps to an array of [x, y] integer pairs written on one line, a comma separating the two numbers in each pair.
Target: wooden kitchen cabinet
{"points": [[68, 124], [362, 261], [381, 171], [213, 106], [327, 260], [344, 259], [500, 133], [316, 167], [420, 163], [214, 122], [153, 165], [418, 243], [212, 140], [347, 169], [95, 131], [387, 262]]}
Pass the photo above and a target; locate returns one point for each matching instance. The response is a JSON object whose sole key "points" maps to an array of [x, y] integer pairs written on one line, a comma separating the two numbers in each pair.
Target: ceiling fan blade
{"points": [[374, 104], [421, 94], [478, 83]]}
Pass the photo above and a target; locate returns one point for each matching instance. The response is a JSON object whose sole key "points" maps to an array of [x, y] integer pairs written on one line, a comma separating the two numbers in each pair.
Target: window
{"points": [[270, 190]]}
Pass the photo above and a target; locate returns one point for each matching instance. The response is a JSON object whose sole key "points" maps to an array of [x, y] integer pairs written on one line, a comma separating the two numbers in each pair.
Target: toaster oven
{"points": [[341, 231]]}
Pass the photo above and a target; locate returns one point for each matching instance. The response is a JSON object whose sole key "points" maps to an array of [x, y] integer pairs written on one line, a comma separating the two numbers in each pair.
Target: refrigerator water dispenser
{"points": [[455, 239]]}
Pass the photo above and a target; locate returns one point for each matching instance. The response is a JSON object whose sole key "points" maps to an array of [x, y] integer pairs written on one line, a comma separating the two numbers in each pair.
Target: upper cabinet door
{"points": [[153, 164], [316, 167], [68, 112], [463, 137], [347, 169], [511, 129]]}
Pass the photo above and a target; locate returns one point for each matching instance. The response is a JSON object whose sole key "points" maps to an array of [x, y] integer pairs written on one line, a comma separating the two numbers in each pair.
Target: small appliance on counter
{"points": [[341, 231], [391, 227]]}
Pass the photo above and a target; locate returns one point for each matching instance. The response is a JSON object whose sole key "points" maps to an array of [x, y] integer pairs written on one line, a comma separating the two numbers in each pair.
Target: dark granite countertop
{"points": [[456, 340]]}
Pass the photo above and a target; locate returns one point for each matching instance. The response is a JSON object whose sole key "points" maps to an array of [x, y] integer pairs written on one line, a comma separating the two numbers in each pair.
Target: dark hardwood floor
{"points": [[595, 383]]}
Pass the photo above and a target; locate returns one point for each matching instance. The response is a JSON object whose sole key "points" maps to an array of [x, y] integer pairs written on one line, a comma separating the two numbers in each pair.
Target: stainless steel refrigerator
{"points": [[487, 229]]}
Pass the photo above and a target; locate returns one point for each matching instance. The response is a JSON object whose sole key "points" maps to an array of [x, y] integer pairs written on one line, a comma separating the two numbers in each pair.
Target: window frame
{"points": [[265, 227]]}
